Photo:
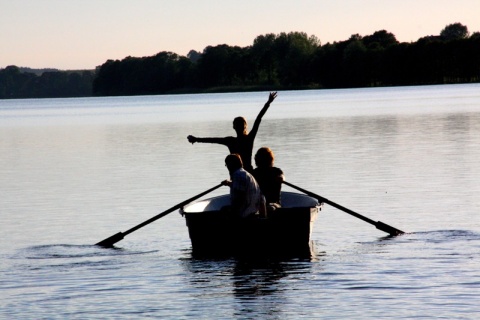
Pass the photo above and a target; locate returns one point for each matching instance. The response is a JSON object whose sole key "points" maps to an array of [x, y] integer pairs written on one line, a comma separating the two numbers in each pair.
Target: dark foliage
{"points": [[295, 60], [284, 61], [49, 84], [161, 73]]}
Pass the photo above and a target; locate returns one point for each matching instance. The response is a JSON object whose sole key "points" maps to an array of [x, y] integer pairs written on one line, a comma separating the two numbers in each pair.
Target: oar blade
{"points": [[388, 229], [110, 241]]}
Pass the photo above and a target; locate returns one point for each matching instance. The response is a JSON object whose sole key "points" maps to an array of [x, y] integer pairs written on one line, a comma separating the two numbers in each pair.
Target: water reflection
{"points": [[259, 286], [261, 283]]}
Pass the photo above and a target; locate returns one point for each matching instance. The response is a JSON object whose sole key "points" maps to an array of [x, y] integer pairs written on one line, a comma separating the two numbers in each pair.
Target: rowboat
{"points": [[286, 230]]}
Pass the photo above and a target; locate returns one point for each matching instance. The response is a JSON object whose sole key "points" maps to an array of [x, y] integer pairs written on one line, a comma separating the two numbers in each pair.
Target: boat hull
{"points": [[286, 230]]}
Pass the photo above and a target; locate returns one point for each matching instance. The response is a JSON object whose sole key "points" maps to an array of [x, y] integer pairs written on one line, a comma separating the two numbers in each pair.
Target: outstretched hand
{"points": [[272, 96], [192, 139]]}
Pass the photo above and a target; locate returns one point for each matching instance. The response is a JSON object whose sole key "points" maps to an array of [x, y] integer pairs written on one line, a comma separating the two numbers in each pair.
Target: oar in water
{"points": [[110, 241], [379, 225]]}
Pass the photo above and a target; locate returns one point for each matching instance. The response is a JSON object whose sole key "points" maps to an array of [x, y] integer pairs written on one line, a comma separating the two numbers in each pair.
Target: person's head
{"points": [[240, 125], [264, 157], [233, 162]]}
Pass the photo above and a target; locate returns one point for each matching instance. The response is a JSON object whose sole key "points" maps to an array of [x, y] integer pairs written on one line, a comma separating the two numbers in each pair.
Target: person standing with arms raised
{"points": [[242, 144]]}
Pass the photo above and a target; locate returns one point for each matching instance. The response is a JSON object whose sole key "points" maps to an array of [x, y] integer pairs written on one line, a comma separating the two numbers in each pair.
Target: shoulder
{"points": [[267, 171], [277, 170], [240, 173], [244, 174], [258, 172]]}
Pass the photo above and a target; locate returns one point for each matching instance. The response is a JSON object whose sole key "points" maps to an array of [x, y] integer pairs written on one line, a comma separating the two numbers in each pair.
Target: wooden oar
{"points": [[379, 225], [110, 241]]}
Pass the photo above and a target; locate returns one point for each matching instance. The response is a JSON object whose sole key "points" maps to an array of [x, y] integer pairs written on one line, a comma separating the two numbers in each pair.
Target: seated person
{"points": [[269, 178], [246, 198]]}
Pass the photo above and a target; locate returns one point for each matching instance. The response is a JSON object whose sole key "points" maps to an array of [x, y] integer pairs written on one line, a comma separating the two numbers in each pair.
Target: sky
{"points": [[83, 34]]}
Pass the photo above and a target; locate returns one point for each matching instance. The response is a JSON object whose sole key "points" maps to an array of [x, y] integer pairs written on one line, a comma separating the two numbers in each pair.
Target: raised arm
{"points": [[256, 124]]}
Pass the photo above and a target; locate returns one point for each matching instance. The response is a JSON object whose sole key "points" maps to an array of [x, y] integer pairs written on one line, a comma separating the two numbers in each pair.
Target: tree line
{"points": [[296, 60], [292, 60], [16, 83]]}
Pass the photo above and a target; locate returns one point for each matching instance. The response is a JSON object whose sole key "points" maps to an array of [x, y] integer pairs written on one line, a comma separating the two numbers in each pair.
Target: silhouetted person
{"points": [[268, 177], [242, 144], [246, 199]]}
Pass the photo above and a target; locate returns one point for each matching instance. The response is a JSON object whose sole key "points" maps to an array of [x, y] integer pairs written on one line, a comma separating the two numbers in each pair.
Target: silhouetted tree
{"points": [[454, 31], [48, 84], [294, 54], [381, 39], [264, 59], [194, 55], [164, 72], [475, 35], [223, 65], [287, 60]]}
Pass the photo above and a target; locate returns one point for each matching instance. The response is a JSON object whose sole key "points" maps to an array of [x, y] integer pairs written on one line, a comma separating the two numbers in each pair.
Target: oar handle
{"points": [[178, 206], [378, 224]]}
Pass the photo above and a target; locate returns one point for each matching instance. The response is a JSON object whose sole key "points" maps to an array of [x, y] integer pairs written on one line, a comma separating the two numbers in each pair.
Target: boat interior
{"points": [[289, 200]]}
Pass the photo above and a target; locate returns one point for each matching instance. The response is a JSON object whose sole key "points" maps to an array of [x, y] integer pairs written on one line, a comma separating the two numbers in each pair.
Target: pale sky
{"points": [[83, 34]]}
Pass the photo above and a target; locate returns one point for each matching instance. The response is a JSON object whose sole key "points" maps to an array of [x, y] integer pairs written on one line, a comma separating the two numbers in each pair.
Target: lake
{"points": [[76, 171]]}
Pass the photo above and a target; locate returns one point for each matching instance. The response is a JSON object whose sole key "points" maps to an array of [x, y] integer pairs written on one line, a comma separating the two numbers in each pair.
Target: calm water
{"points": [[75, 171]]}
